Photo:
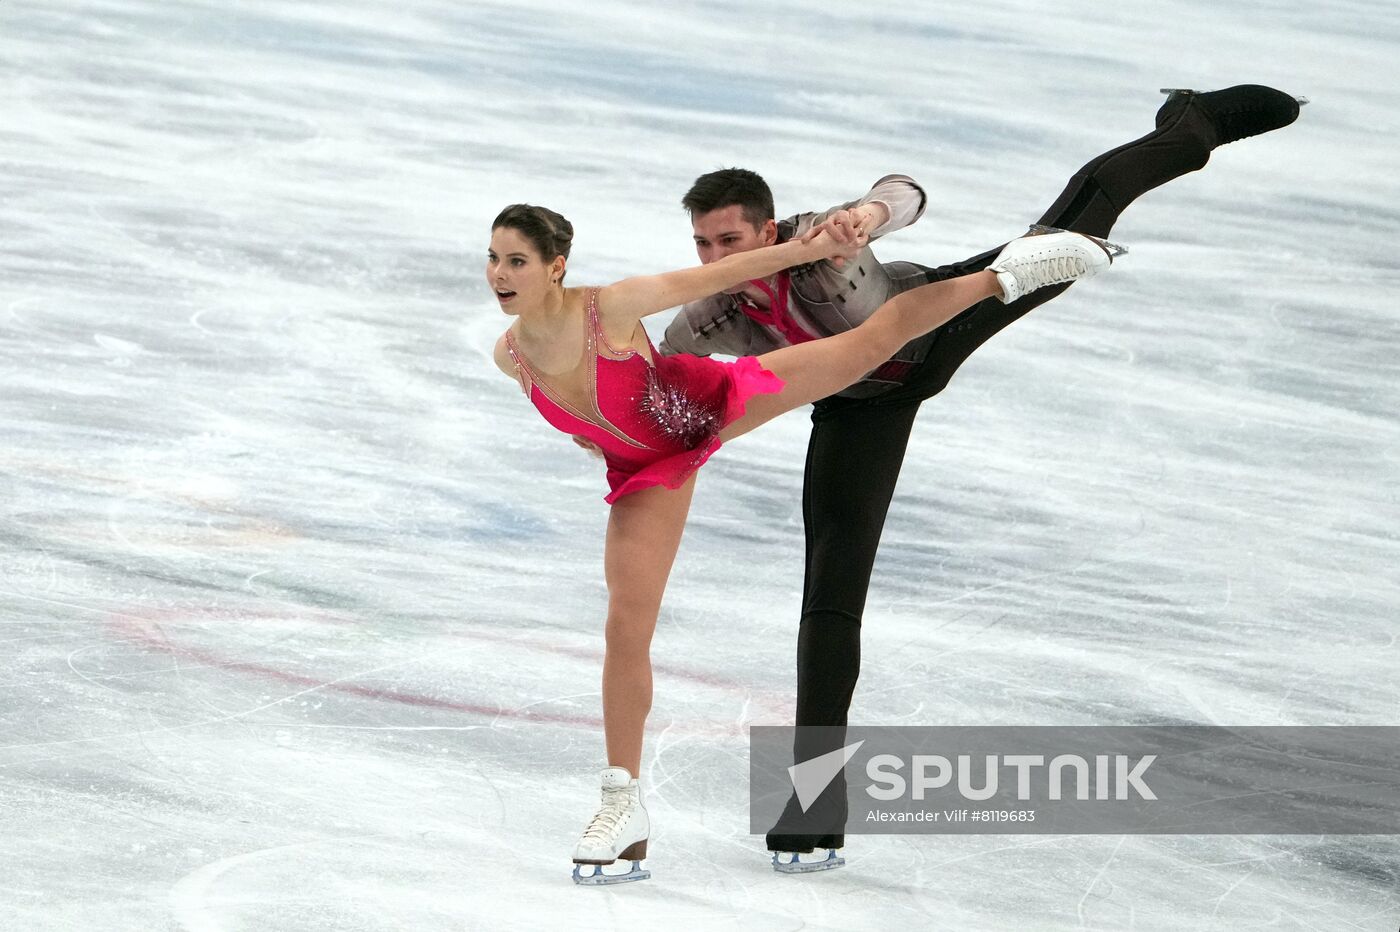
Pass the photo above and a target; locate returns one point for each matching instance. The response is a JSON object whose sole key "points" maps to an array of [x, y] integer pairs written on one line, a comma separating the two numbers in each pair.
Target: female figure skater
{"points": [[584, 360]]}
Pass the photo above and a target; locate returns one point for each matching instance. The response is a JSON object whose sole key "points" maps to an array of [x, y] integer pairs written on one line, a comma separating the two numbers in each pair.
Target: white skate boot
{"points": [[618, 832], [1050, 257]]}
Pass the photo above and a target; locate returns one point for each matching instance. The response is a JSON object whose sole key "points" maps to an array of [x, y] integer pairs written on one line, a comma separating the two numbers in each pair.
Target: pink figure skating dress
{"points": [[656, 421]]}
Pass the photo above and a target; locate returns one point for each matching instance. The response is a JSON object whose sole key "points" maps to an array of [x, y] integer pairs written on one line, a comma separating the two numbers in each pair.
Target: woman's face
{"points": [[516, 272]]}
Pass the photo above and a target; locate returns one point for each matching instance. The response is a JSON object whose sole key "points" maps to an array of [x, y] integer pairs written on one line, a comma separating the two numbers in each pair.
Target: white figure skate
{"points": [[1050, 257], [618, 832]]}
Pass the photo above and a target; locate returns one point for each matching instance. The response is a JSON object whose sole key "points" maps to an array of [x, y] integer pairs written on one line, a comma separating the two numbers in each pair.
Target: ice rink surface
{"points": [[301, 603]]}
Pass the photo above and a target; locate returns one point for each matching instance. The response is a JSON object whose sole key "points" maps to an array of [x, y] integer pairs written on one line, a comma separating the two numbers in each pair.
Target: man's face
{"points": [[724, 231]]}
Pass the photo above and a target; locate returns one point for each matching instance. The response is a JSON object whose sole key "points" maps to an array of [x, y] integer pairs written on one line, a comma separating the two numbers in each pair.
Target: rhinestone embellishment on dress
{"points": [[676, 413]]}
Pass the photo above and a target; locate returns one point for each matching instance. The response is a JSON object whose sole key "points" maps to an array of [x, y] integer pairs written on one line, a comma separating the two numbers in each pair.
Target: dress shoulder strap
{"points": [[601, 338], [524, 374], [591, 413]]}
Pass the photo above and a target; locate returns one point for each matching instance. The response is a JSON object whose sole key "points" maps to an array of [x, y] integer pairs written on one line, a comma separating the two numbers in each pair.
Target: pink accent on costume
{"points": [[656, 421], [777, 316]]}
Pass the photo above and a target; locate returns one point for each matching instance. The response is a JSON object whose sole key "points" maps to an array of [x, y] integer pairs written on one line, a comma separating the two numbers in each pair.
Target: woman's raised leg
{"points": [[644, 533], [823, 367]]}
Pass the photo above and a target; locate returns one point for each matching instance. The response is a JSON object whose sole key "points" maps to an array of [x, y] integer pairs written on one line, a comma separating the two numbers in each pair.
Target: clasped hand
{"points": [[847, 232]]}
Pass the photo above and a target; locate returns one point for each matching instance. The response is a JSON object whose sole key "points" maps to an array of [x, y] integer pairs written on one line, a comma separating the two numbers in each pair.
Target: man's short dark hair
{"points": [[727, 187]]}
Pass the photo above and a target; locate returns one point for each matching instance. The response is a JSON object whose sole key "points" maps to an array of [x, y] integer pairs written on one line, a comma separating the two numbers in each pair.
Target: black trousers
{"points": [[857, 445]]}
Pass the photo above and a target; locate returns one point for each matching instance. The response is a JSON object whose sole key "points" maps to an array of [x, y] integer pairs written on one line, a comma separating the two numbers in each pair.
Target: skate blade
{"points": [[1173, 91], [797, 866], [600, 879], [1113, 249]]}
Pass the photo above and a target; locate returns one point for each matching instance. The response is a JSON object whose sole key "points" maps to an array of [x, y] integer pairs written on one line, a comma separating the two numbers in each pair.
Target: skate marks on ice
{"points": [[286, 648], [190, 897]]}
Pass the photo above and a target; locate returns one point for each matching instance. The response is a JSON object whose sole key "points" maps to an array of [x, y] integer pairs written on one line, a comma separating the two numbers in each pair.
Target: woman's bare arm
{"points": [[501, 355], [624, 303]]}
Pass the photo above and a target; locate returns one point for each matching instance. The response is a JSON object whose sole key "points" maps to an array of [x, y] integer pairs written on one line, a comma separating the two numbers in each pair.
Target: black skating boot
{"points": [[1231, 114]]}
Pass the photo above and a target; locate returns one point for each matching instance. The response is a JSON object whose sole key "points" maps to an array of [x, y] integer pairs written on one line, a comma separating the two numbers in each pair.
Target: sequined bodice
{"points": [[631, 409]]}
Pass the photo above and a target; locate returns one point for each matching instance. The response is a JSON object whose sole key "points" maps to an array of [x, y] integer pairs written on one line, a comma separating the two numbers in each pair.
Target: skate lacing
{"points": [[608, 821], [1041, 272]]}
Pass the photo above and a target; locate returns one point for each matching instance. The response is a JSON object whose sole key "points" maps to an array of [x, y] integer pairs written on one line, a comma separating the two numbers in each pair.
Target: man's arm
{"points": [[680, 338], [902, 199], [893, 203]]}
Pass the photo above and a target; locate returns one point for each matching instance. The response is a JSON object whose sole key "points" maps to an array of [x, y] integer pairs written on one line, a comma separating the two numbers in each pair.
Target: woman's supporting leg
{"points": [[644, 532], [822, 367]]}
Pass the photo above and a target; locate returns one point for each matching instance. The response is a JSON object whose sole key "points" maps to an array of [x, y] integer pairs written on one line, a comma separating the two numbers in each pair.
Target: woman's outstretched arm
{"points": [[623, 303]]}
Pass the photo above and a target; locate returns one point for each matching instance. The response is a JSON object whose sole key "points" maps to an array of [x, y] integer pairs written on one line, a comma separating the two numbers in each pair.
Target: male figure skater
{"points": [[859, 435]]}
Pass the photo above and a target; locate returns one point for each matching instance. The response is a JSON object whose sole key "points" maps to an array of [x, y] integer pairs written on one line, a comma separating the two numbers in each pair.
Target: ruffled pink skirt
{"points": [[720, 389]]}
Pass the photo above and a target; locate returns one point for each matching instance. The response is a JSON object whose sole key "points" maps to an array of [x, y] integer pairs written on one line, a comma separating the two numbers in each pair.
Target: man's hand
{"points": [[821, 243], [870, 217], [848, 227], [589, 445], [842, 225]]}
